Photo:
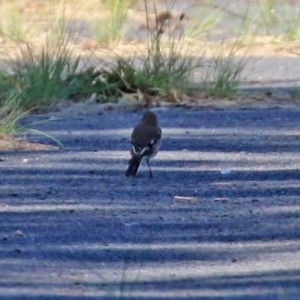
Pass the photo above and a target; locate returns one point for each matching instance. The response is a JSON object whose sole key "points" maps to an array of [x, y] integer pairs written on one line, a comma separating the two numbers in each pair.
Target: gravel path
{"points": [[219, 220]]}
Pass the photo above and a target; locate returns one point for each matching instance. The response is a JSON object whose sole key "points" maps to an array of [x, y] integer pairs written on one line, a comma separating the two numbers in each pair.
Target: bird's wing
{"points": [[144, 138]]}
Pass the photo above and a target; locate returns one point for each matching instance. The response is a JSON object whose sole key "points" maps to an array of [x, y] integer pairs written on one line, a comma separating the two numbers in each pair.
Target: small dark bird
{"points": [[145, 143]]}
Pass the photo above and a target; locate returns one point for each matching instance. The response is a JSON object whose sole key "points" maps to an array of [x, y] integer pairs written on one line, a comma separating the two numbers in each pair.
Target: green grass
{"points": [[222, 76], [45, 73], [42, 77], [39, 76], [273, 18], [10, 113], [11, 23], [279, 19], [108, 27], [206, 19], [166, 65]]}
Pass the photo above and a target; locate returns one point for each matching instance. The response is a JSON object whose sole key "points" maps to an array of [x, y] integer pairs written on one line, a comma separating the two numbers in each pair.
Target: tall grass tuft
{"points": [[39, 75], [222, 77], [109, 26], [205, 20], [165, 64], [10, 113], [11, 22]]}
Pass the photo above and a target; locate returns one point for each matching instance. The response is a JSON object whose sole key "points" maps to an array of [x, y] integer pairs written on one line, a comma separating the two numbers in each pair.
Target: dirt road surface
{"points": [[219, 220]]}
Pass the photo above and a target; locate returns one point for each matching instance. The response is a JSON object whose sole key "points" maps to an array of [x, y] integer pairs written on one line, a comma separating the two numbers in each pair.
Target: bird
{"points": [[145, 143]]}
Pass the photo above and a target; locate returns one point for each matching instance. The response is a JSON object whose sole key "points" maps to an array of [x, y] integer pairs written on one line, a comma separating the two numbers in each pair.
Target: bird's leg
{"points": [[151, 175]]}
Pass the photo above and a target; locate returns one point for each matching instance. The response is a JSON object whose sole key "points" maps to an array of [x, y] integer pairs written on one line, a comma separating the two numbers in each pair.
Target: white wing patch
{"points": [[134, 151], [140, 151], [144, 150], [152, 142]]}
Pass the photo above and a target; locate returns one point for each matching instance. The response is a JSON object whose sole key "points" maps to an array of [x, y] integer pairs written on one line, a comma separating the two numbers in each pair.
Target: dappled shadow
{"points": [[192, 231], [263, 280]]}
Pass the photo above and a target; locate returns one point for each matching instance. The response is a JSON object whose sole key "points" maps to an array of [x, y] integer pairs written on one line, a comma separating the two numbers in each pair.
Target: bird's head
{"points": [[149, 118]]}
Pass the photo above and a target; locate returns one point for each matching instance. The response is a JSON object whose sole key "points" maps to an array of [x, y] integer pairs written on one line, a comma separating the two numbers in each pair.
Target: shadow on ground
{"points": [[73, 227]]}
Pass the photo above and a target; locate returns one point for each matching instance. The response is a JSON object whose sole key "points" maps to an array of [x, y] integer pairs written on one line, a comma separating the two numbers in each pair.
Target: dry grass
{"points": [[8, 143], [135, 49]]}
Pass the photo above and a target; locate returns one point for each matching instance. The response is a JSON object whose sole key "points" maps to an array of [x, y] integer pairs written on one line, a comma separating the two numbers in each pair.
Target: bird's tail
{"points": [[133, 165]]}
